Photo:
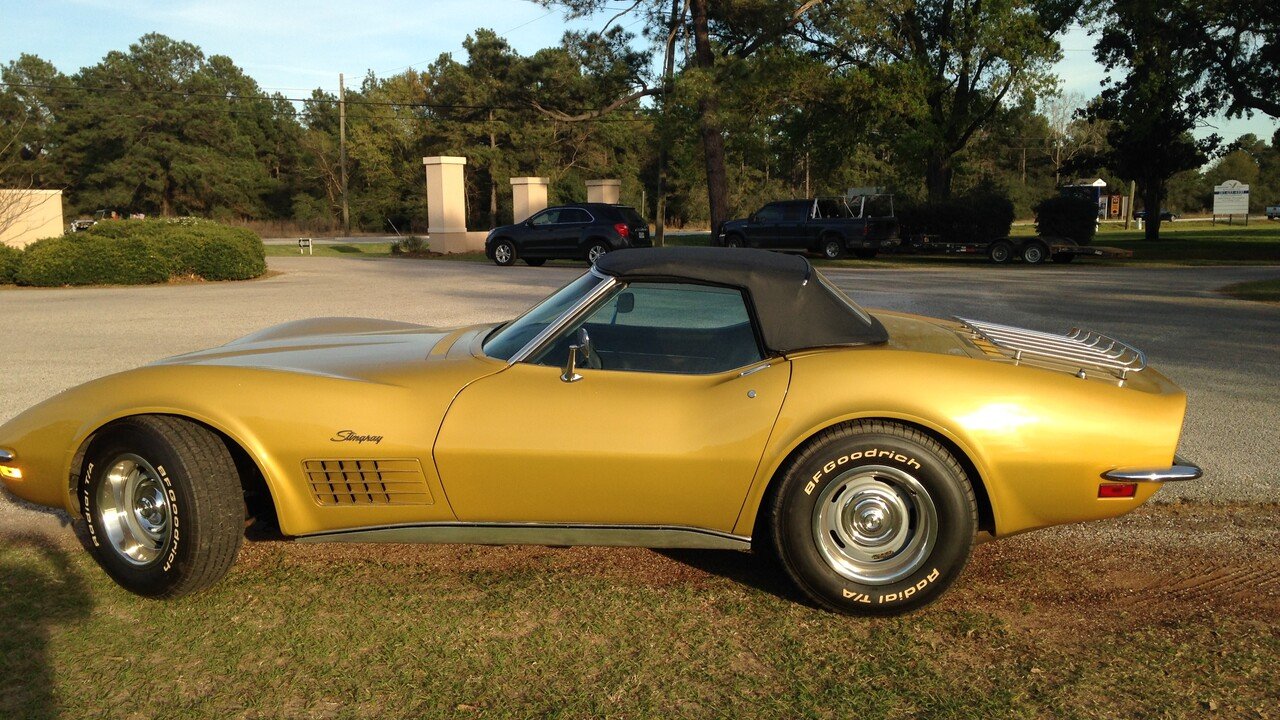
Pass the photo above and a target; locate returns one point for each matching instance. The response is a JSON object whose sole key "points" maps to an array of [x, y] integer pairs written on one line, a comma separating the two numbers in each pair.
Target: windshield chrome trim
{"points": [[565, 317]]}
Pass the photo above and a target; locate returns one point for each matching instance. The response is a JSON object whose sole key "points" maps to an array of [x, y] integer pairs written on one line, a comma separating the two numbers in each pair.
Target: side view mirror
{"points": [[755, 218], [527, 223], [626, 303], [583, 346]]}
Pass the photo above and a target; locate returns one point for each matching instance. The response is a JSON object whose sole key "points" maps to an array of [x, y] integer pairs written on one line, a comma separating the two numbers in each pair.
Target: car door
{"points": [[567, 232], [538, 238], [665, 426], [793, 228], [762, 228]]}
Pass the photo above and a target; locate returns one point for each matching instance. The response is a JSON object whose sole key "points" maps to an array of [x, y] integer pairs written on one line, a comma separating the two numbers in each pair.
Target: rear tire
{"points": [[1000, 252], [504, 253], [1035, 252], [832, 248], [873, 518], [163, 503], [595, 250]]}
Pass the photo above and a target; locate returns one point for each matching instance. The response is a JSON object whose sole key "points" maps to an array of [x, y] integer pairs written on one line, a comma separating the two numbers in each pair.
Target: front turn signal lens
{"points": [[10, 472], [1117, 490]]}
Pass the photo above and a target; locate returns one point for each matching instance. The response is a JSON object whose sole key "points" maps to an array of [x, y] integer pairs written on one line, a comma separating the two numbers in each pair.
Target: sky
{"points": [[293, 47]]}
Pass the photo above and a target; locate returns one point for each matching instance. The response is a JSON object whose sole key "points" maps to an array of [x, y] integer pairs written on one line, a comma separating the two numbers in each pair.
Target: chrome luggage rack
{"points": [[1081, 350]]}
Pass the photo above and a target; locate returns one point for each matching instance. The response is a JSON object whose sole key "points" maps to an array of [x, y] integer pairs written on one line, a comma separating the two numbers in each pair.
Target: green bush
{"points": [[1068, 216], [411, 246], [10, 259], [973, 217], [137, 252]]}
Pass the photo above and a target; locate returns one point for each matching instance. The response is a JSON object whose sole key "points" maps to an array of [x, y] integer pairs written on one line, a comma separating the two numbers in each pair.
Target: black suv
{"points": [[581, 231]]}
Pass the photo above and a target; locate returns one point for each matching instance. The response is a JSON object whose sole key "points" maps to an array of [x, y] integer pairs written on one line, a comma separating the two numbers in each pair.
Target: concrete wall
{"points": [[30, 215]]}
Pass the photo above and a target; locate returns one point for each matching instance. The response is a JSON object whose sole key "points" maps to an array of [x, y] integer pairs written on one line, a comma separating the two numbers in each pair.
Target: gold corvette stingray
{"points": [[688, 397]]}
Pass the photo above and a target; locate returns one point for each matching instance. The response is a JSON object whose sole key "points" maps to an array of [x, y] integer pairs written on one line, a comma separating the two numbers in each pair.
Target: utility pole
{"points": [[342, 152], [1128, 212]]}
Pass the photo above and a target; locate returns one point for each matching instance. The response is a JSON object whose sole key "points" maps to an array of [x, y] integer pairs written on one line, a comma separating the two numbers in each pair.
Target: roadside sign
{"points": [[304, 245], [1231, 198]]}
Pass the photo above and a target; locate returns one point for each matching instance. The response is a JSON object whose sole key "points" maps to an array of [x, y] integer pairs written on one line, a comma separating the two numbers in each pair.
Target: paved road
{"points": [[1225, 352]]}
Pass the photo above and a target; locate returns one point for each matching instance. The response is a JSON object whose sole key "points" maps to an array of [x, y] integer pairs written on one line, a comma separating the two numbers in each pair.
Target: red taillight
{"points": [[1117, 490], [623, 230]]}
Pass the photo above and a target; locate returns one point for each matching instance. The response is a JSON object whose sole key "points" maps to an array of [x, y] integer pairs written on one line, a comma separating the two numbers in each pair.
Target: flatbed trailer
{"points": [[1033, 250]]}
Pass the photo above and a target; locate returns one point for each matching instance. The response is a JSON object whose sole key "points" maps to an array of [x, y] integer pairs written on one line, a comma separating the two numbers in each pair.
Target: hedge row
{"points": [[976, 216], [139, 252]]}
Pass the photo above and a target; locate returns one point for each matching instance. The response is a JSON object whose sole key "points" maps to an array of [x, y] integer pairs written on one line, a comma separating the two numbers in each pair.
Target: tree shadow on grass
{"points": [[39, 591], [753, 569], [345, 249]]}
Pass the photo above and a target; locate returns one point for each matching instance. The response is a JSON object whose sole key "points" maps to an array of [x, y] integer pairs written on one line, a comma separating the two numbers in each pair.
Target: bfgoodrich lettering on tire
{"points": [[163, 505], [873, 518]]}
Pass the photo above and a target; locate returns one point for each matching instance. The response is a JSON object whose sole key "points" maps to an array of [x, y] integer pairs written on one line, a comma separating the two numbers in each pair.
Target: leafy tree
{"points": [[957, 61], [1238, 44], [1153, 110], [155, 130]]}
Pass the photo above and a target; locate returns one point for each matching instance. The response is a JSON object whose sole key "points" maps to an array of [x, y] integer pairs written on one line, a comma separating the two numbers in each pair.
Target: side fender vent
{"points": [[349, 481]]}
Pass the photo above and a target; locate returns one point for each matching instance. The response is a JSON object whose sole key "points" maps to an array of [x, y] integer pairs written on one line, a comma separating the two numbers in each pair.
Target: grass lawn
{"points": [[356, 250], [1041, 625]]}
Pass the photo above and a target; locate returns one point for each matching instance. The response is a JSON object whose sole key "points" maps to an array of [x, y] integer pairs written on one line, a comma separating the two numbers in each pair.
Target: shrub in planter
{"points": [[1068, 216], [411, 245], [10, 259], [973, 217]]}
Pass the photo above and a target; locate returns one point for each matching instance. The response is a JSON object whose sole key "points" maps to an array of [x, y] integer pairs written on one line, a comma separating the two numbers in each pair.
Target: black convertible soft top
{"points": [[796, 306]]}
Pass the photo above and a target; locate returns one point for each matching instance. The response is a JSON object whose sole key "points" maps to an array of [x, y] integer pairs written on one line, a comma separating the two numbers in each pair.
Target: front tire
{"points": [[1000, 252], [504, 253], [873, 518], [733, 241], [163, 504]]}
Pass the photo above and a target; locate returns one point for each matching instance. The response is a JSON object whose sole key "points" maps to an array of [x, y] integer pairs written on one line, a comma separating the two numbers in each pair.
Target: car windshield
{"points": [[508, 339]]}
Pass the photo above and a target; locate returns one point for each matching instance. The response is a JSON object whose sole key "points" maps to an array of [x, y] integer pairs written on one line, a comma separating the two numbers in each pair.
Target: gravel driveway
{"points": [[1224, 352]]}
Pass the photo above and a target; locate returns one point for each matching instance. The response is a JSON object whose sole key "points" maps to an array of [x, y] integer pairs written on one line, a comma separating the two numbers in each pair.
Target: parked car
{"points": [[1273, 212], [85, 223], [667, 398], [580, 231], [1165, 215], [829, 227]]}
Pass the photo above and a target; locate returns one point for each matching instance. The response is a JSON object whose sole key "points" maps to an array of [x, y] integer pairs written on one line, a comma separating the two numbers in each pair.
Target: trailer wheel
{"points": [[1035, 252], [1000, 251], [1063, 257]]}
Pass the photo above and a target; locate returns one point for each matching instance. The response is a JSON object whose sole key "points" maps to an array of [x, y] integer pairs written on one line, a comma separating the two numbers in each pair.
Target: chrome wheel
{"points": [[1033, 254], [502, 253], [136, 515], [831, 249], [875, 524], [595, 252]]}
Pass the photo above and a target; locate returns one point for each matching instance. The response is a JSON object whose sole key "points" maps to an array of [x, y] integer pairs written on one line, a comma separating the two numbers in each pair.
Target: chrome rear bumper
{"points": [[1179, 471]]}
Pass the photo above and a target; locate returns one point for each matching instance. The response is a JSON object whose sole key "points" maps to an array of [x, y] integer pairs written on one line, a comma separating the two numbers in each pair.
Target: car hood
{"points": [[349, 348]]}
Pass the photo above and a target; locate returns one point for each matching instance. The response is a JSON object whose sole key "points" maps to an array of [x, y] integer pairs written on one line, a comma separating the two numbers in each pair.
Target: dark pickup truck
{"points": [[829, 226]]}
